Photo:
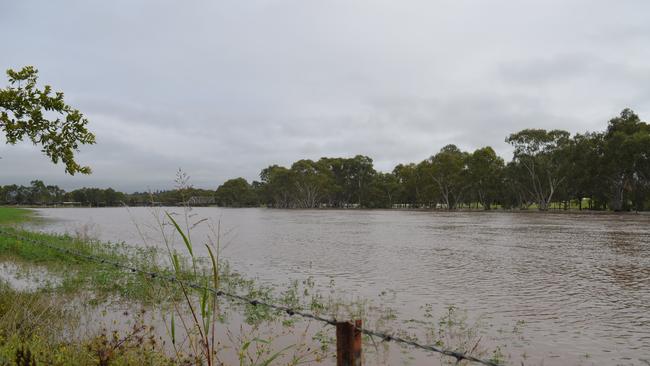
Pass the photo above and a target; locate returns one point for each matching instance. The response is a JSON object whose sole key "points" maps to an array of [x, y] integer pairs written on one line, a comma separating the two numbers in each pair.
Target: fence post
{"points": [[348, 343]]}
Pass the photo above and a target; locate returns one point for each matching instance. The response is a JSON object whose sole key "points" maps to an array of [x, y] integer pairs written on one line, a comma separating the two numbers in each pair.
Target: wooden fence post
{"points": [[348, 343]]}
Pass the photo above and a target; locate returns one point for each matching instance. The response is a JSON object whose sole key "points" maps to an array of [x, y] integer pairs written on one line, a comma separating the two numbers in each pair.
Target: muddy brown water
{"points": [[577, 284]]}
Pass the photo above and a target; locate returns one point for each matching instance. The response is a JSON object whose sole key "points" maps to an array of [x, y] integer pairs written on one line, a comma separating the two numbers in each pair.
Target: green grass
{"points": [[12, 215], [77, 275], [102, 281]]}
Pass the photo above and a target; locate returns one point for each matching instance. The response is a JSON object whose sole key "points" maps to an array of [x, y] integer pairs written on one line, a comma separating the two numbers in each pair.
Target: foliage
{"points": [[43, 117], [236, 193], [485, 176], [542, 155]]}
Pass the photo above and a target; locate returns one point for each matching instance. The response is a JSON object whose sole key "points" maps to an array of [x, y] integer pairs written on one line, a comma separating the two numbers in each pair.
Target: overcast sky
{"points": [[225, 88]]}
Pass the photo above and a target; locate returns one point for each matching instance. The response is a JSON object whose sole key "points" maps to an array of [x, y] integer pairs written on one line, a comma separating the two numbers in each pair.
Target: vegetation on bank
{"points": [[10, 215], [594, 170]]}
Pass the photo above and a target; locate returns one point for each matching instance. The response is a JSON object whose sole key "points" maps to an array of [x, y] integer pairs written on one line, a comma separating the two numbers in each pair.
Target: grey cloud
{"points": [[223, 89]]}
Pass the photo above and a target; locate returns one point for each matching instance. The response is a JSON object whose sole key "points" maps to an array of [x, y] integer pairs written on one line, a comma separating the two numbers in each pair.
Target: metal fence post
{"points": [[348, 343]]}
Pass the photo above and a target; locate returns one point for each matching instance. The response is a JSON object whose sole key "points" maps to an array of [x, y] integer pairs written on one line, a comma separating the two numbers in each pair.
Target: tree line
{"points": [[594, 170], [38, 193]]}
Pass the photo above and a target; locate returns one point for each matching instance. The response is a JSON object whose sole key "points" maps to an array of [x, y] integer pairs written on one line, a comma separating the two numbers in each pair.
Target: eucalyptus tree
{"points": [[359, 172], [56, 194], [410, 181], [514, 193], [43, 117], [448, 170], [39, 194], [279, 187], [312, 181], [584, 178], [113, 197], [485, 175], [626, 158], [384, 189], [336, 195], [235, 192], [542, 154]]}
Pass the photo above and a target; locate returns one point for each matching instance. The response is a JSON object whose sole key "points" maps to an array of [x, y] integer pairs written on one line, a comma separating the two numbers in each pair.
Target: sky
{"points": [[222, 88]]}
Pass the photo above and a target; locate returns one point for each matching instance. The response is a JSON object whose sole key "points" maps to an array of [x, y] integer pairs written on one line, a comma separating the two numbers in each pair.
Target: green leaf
{"points": [[180, 231]]}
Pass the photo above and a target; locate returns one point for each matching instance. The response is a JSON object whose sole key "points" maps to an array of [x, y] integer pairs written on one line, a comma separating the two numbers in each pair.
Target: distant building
{"points": [[201, 200]]}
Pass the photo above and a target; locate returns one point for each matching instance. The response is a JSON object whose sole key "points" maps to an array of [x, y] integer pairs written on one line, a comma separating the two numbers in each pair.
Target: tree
{"points": [[448, 171], [359, 173], [38, 192], [485, 175], [541, 153], [383, 190], [626, 158], [584, 178], [312, 180], [113, 197], [335, 196], [278, 186], [25, 112], [409, 181], [235, 193]]}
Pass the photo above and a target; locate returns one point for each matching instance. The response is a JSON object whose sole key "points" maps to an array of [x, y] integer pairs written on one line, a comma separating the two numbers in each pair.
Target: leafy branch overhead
{"points": [[43, 117]]}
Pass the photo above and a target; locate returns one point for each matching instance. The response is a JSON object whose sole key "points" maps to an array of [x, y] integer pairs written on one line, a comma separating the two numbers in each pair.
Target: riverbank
{"points": [[11, 215]]}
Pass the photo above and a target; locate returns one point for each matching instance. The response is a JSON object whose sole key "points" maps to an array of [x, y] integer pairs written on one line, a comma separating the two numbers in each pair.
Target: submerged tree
{"points": [[43, 117]]}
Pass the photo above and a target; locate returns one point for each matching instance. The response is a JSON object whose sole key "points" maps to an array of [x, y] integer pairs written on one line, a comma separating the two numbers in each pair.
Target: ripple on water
{"points": [[581, 283]]}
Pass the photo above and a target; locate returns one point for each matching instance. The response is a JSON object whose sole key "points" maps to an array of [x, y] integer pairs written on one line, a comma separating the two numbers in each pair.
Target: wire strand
{"points": [[459, 356]]}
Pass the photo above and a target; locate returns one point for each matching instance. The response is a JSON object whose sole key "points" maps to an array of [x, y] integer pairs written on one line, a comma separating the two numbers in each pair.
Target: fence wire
{"points": [[459, 356]]}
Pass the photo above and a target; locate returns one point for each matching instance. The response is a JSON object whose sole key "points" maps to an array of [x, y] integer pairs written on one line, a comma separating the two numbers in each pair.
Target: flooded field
{"points": [[577, 285]]}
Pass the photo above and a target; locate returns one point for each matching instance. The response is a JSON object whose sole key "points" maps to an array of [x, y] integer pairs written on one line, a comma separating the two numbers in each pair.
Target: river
{"points": [[579, 283]]}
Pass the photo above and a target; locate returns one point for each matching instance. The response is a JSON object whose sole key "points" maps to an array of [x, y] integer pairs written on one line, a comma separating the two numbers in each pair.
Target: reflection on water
{"points": [[580, 283]]}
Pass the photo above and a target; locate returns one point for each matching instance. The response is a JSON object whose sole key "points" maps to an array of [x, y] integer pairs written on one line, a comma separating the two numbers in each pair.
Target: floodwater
{"points": [[577, 285]]}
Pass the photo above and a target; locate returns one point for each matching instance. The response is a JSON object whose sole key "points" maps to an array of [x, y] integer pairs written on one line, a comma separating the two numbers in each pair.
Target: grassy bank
{"points": [[10, 215]]}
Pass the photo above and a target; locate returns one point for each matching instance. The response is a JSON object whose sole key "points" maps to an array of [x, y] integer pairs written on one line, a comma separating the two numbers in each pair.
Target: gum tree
{"points": [[41, 116], [448, 170], [485, 174], [542, 155], [626, 158]]}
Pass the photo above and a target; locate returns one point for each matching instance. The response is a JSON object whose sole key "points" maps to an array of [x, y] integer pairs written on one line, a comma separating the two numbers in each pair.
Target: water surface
{"points": [[579, 282]]}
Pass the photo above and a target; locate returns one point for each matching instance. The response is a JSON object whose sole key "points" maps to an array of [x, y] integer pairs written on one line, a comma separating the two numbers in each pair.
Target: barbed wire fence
{"points": [[459, 356]]}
